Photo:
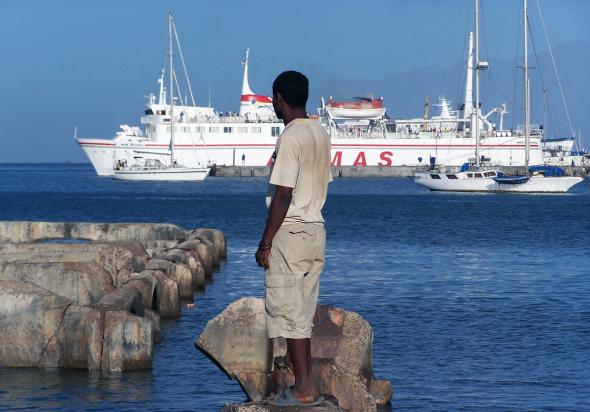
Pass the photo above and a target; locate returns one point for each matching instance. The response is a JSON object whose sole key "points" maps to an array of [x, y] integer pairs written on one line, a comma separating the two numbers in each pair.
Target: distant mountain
{"points": [[405, 92]]}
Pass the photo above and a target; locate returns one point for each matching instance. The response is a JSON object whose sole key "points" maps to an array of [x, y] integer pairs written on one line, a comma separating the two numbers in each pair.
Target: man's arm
{"points": [[279, 206]]}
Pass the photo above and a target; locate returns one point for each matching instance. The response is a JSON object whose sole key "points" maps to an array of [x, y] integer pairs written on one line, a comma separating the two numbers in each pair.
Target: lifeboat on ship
{"points": [[359, 108]]}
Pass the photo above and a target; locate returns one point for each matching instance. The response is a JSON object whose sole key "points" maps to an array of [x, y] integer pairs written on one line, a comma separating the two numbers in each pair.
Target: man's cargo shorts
{"points": [[292, 281]]}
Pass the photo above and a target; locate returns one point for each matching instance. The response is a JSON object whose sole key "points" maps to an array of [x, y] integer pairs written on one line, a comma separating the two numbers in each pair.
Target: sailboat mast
{"points": [[171, 92], [476, 128], [527, 120]]}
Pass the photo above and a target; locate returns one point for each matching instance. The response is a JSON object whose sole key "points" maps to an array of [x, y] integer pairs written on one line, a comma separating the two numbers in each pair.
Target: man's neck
{"points": [[295, 114]]}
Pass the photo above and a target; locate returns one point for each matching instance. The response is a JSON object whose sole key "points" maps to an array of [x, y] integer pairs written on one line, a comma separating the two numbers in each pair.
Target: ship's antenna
{"points": [[209, 104]]}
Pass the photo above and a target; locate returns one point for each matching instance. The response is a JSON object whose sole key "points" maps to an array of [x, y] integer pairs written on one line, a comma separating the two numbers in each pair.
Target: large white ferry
{"points": [[361, 131]]}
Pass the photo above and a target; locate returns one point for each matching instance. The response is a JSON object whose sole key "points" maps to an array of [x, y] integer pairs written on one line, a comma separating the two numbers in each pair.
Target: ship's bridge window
{"points": [[470, 175], [435, 176], [489, 174], [478, 175], [242, 129], [275, 131], [213, 129], [256, 129], [227, 129], [149, 111], [451, 176]]}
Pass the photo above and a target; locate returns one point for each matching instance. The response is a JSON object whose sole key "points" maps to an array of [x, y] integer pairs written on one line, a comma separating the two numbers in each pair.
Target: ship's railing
{"points": [[356, 134], [222, 119]]}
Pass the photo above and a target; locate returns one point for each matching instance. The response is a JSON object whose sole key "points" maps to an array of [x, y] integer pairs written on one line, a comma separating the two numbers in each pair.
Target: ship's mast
{"points": [[527, 120], [468, 104], [476, 105], [162, 95], [171, 90]]}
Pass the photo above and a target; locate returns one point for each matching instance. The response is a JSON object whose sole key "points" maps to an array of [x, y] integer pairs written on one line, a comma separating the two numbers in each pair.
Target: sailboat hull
{"points": [[536, 184], [173, 174]]}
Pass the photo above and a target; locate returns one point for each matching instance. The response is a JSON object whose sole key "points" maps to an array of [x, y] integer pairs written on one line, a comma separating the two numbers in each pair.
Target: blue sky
{"points": [[89, 64]]}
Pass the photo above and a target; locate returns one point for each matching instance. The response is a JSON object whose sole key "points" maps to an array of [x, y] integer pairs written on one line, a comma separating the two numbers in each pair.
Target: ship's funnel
{"points": [[254, 106]]}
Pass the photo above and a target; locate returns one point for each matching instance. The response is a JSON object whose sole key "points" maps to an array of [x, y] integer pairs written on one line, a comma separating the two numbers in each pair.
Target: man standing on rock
{"points": [[293, 243]]}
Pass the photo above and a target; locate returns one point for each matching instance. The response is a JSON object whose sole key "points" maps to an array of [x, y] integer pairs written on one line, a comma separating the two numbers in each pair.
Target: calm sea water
{"points": [[477, 302]]}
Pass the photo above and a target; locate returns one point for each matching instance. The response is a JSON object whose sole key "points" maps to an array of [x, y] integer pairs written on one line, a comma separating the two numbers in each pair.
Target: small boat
{"points": [[155, 170]]}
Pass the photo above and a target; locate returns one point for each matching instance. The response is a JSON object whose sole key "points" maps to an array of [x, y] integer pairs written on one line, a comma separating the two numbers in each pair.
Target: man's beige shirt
{"points": [[303, 163]]}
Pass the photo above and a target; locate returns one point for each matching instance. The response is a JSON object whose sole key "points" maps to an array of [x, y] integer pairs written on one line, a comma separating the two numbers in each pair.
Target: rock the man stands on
{"points": [[293, 243]]}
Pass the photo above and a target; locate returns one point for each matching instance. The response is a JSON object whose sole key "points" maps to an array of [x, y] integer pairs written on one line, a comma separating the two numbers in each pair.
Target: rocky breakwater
{"points": [[342, 341], [90, 295]]}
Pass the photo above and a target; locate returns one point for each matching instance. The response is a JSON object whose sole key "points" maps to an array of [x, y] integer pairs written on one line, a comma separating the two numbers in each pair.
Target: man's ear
{"points": [[279, 98]]}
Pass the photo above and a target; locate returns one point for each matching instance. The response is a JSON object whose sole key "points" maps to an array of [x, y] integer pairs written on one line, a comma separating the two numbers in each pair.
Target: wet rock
{"points": [[341, 354]]}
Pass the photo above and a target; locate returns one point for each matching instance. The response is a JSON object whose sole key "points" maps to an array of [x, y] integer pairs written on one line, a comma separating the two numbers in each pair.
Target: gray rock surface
{"points": [[97, 305]]}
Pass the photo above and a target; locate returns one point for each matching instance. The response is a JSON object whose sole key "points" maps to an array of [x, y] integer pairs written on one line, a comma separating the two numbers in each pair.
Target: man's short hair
{"points": [[293, 86]]}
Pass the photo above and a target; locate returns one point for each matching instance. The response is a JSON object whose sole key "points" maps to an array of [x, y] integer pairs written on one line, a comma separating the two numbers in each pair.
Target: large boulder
{"points": [[341, 354]]}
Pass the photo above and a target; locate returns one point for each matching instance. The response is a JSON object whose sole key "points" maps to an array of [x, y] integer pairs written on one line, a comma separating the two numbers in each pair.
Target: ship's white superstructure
{"points": [[362, 135]]}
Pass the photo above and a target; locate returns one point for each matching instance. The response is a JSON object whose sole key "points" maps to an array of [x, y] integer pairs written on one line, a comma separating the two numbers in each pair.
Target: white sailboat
{"points": [[479, 179], [153, 169]]}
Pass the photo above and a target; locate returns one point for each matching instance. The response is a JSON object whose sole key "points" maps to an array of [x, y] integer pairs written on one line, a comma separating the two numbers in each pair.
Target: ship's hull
{"points": [[503, 151]]}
